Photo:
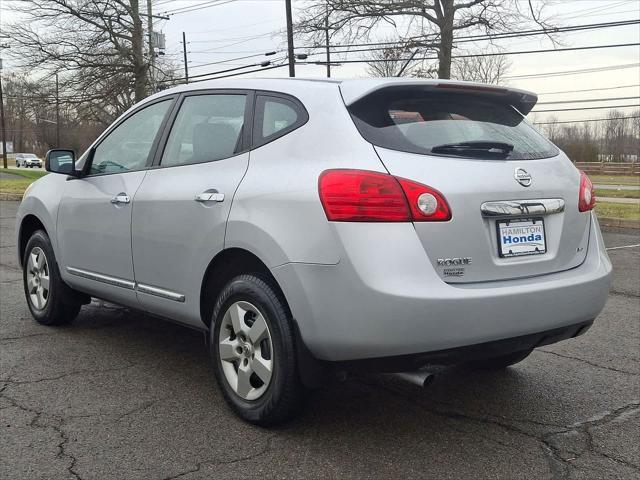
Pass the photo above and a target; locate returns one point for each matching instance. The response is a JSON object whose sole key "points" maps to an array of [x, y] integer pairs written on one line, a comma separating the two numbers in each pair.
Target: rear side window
{"points": [[207, 128], [425, 122], [276, 116]]}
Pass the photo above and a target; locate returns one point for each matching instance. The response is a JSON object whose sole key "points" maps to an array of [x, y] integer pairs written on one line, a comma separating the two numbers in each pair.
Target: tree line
{"points": [[614, 139]]}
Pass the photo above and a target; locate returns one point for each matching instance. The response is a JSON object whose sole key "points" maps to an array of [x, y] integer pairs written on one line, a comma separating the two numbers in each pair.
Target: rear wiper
{"points": [[475, 149]]}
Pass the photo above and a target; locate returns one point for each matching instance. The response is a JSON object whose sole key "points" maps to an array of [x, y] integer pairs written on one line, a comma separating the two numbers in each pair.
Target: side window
{"points": [[207, 128], [127, 147], [276, 116]]}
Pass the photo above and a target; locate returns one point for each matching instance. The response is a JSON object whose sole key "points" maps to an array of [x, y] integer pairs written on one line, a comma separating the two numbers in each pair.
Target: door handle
{"points": [[210, 196], [121, 198]]}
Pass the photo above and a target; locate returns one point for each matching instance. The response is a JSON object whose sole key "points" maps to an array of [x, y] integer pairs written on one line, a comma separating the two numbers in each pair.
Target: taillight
{"points": [[427, 204], [587, 198], [364, 196]]}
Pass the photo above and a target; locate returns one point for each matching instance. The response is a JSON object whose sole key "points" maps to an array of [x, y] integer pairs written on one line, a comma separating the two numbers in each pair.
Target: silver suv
{"points": [[312, 226], [28, 160]]}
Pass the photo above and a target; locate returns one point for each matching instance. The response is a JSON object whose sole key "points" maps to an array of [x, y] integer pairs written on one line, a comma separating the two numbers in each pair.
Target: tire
{"points": [[503, 361], [59, 304], [253, 301]]}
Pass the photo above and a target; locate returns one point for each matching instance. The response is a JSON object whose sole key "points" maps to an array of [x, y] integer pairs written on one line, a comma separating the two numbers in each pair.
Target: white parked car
{"points": [[28, 160]]}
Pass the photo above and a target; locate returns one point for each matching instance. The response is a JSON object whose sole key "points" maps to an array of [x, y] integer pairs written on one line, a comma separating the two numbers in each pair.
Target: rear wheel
{"points": [[50, 300], [253, 352], [503, 361]]}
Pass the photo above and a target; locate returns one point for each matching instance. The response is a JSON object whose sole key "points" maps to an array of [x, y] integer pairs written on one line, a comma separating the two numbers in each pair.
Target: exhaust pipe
{"points": [[419, 378]]}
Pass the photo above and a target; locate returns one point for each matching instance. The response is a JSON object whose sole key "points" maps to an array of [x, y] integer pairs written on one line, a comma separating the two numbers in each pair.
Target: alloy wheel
{"points": [[38, 278]]}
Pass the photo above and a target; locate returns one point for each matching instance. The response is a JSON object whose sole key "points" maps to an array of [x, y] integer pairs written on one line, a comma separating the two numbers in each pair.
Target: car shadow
{"points": [[511, 395]]}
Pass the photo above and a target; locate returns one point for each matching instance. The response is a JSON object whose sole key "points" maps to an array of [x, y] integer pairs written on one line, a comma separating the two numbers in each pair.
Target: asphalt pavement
{"points": [[121, 395]]}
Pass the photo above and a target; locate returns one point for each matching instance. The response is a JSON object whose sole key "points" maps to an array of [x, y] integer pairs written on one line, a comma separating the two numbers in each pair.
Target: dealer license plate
{"points": [[521, 237]]}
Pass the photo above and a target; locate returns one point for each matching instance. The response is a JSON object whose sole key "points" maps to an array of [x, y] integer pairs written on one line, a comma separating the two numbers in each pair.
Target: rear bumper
{"points": [[467, 353], [383, 299]]}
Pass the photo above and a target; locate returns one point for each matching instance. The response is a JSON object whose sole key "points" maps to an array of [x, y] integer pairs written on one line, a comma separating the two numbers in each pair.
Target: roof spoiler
{"points": [[522, 100]]}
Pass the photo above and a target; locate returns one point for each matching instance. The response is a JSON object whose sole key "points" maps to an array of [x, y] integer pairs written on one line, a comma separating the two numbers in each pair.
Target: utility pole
{"points": [[57, 113], [292, 59], [141, 73], [184, 53], [152, 55], [4, 132], [326, 36]]}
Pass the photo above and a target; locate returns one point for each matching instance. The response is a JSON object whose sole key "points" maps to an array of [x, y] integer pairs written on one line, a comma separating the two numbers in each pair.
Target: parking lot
{"points": [[118, 394]]}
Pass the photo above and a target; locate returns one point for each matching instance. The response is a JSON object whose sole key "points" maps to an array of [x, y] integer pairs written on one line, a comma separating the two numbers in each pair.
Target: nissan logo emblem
{"points": [[522, 177]]}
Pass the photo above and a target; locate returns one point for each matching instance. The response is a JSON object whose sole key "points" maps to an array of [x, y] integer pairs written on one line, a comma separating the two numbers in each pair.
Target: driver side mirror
{"points": [[61, 161]]}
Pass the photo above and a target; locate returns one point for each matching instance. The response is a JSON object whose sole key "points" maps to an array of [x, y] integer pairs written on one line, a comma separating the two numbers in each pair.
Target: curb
{"points": [[619, 223], [11, 196]]}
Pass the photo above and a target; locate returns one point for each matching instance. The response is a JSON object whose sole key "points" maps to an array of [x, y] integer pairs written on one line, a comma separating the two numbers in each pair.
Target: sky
{"points": [[236, 28]]}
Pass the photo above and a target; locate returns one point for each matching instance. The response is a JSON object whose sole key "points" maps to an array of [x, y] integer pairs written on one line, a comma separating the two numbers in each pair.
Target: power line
{"points": [[589, 89], [263, 65], [521, 52], [463, 39], [585, 108], [242, 73], [576, 72], [222, 62], [585, 100], [594, 10], [495, 36], [586, 120], [236, 43], [186, 7], [200, 6], [231, 39], [236, 27]]}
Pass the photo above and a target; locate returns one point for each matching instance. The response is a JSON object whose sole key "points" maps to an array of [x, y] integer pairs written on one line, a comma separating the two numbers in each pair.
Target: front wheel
{"points": [[253, 351], [50, 300]]}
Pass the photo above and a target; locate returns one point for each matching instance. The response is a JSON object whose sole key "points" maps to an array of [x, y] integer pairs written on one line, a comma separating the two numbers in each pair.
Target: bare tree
{"points": [[444, 19], [97, 46], [491, 69], [551, 128], [618, 134], [31, 117]]}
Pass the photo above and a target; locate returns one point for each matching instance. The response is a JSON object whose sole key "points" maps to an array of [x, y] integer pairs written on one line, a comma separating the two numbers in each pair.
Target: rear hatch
{"points": [[513, 195]]}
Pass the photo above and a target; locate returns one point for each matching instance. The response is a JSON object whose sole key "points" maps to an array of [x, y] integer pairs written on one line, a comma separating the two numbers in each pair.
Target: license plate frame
{"points": [[524, 227]]}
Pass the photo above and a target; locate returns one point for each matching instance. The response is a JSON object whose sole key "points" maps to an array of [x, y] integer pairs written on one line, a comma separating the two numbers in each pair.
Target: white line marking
{"points": [[624, 246]]}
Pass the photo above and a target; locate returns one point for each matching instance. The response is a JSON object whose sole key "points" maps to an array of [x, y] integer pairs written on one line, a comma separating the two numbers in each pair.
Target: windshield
{"points": [[424, 122]]}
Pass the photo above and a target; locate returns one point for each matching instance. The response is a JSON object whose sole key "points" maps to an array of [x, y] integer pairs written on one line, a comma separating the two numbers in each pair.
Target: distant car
{"points": [[310, 226], [28, 160]]}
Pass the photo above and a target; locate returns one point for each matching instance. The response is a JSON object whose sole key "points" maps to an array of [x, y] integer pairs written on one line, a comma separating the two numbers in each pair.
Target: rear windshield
{"points": [[419, 122]]}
